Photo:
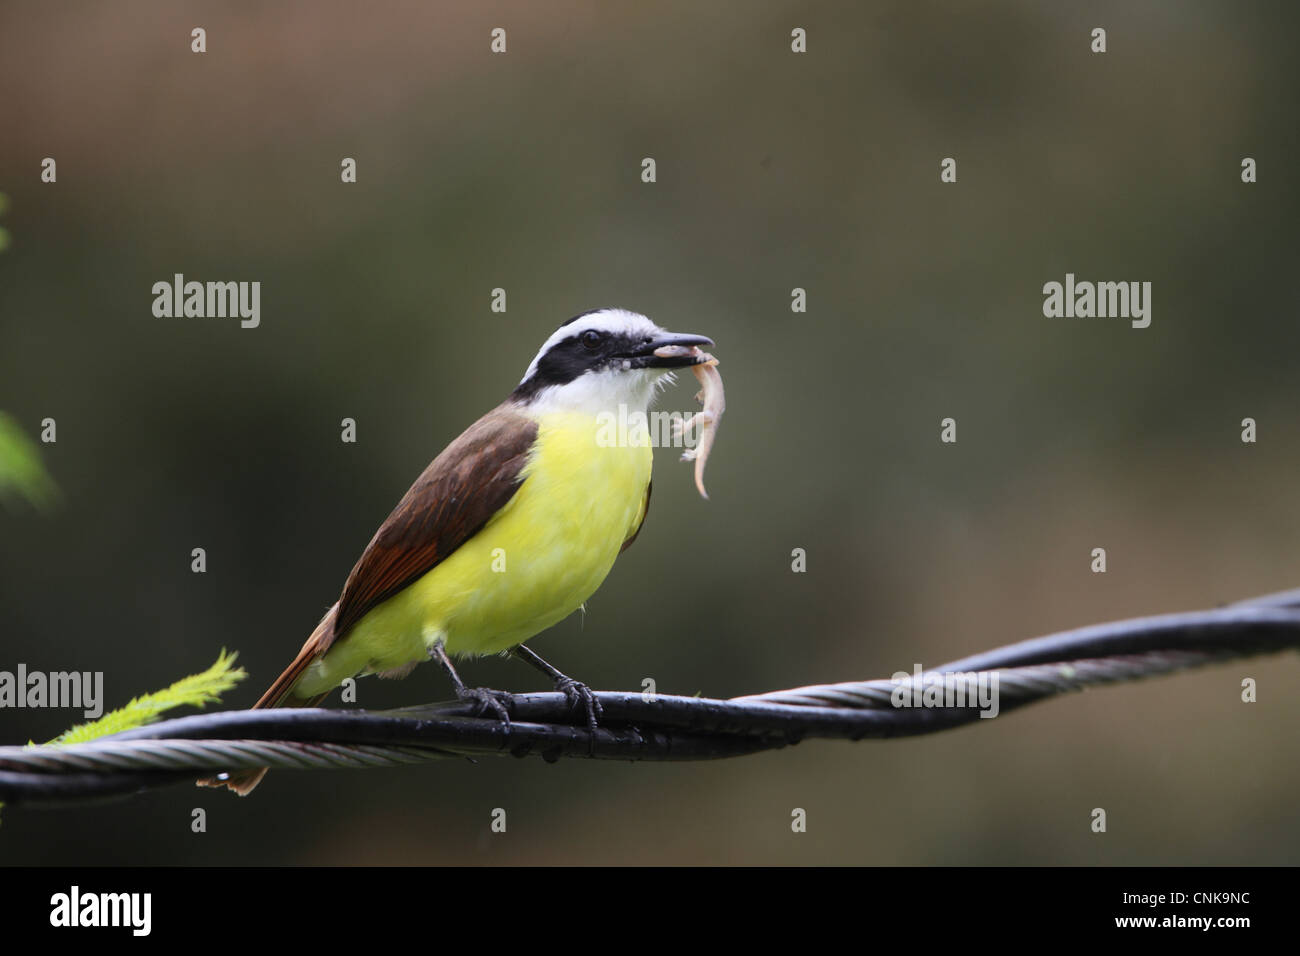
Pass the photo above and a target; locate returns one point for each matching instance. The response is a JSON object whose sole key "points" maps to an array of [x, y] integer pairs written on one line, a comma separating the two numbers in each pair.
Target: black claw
{"points": [[578, 693], [575, 692], [497, 701]]}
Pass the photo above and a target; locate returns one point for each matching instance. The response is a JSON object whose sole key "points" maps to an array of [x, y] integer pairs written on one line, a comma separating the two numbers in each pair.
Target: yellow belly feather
{"points": [[532, 565]]}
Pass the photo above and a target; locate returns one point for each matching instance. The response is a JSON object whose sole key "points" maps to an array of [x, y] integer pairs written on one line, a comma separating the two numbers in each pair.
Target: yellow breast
{"points": [[533, 564]]}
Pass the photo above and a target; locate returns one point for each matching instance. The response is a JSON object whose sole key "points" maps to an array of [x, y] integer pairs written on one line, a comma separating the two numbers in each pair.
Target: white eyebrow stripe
{"points": [[605, 320]]}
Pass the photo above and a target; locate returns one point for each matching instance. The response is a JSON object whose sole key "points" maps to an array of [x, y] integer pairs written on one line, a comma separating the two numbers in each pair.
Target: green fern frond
{"points": [[194, 691]]}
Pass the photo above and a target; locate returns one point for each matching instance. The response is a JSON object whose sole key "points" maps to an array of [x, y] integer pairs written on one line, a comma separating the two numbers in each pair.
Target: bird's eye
{"points": [[591, 339]]}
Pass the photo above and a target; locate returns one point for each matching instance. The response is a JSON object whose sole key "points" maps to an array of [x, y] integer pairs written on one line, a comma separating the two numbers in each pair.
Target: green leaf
{"points": [[21, 472]]}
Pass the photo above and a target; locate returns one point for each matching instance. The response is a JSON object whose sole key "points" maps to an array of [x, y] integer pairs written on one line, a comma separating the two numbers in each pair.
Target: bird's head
{"points": [[599, 360]]}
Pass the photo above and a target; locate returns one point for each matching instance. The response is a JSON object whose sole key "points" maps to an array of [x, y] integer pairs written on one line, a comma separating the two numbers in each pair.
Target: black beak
{"points": [[678, 351]]}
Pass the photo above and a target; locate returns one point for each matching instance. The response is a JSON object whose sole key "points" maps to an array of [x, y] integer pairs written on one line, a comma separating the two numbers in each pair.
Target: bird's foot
{"points": [[579, 694], [485, 699]]}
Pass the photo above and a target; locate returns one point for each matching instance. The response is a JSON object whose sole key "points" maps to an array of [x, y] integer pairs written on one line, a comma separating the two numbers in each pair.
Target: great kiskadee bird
{"points": [[508, 531]]}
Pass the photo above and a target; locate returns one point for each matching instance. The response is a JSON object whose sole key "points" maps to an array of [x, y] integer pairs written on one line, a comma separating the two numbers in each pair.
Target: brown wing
{"points": [[460, 490], [645, 510], [455, 496]]}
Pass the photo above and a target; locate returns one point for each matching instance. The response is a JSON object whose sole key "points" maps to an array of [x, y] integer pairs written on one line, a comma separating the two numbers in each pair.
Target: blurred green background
{"points": [[775, 170]]}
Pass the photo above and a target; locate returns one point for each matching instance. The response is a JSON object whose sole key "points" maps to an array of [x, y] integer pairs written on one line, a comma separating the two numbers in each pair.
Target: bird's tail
{"points": [[280, 694]]}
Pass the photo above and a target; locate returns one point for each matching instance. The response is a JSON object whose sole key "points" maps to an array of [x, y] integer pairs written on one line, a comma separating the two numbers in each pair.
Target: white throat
{"points": [[594, 393]]}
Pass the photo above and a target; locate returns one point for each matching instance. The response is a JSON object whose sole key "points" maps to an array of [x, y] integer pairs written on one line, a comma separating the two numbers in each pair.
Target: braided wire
{"points": [[645, 726]]}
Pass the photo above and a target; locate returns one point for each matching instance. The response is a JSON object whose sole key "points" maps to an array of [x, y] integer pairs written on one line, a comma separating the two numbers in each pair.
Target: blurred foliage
{"points": [[22, 475]]}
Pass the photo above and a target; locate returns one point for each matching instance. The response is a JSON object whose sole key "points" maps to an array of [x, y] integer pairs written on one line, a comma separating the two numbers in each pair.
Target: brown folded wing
{"points": [[455, 496]]}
